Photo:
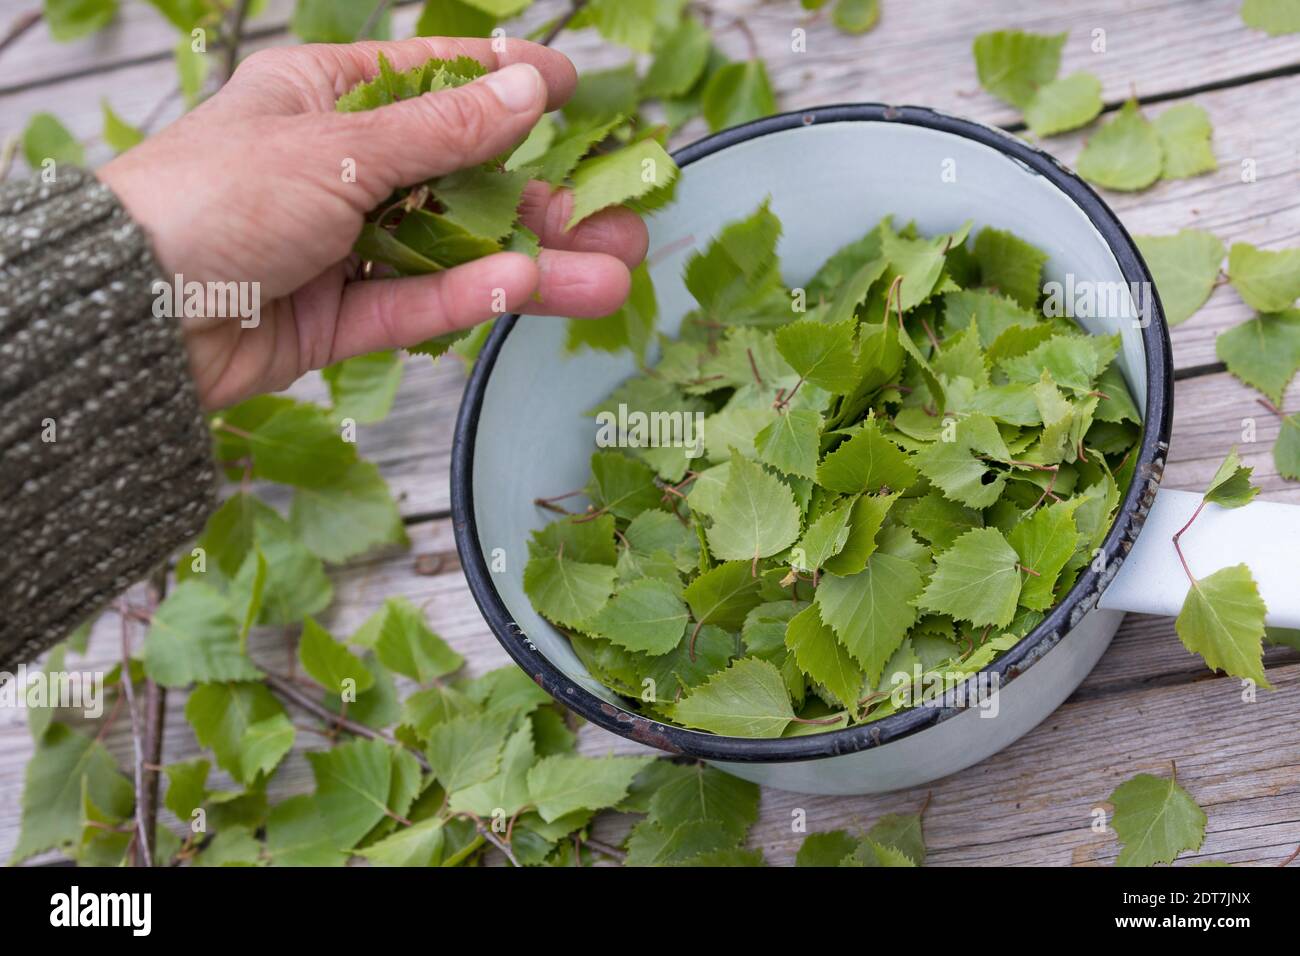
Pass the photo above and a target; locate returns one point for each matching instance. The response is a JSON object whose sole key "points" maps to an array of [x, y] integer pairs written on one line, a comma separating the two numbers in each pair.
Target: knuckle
{"points": [[460, 121]]}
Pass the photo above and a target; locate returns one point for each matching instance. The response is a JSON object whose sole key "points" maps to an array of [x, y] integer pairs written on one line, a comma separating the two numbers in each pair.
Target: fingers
{"points": [[395, 313], [616, 231], [579, 285], [349, 64], [437, 133]]}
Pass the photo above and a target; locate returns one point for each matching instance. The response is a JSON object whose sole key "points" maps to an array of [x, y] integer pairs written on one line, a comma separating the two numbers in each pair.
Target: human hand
{"points": [[249, 188]]}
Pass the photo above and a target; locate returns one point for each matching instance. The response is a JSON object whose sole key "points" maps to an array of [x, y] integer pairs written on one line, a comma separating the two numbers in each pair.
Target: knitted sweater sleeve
{"points": [[105, 459]]}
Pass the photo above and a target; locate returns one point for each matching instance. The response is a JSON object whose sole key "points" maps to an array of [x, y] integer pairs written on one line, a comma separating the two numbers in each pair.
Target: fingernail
{"points": [[517, 86]]}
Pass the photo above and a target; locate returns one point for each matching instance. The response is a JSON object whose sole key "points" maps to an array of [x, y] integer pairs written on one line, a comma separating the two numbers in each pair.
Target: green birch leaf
{"points": [[748, 699], [63, 762], [466, 750], [1010, 265], [855, 16], [186, 787], [654, 844], [871, 611], [1264, 352], [1064, 104], [46, 138], [349, 518], [823, 658], [1223, 620], [757, 517], [866, 462], [1286, 450], [291, 443], [825, 849], [1013, 64], [1045, 542], [1185, 267], [566, 783], [940, 520], [294, 584], [408, 646], [233, 846], [1125, 154], [646, 616], [1185, 132], [417, 845], [621, 485], [1267, 281], [737, 93], [791, 443], [482, 200], [1274, 17], [705, 794], [506, 792], [194, 638], [680, 58], [337, 21], [821, 354], [723, 595], [1230, 486], [352, 784], [567, 592], [118, 133], [959, 467], [976, 580], [192, 68], [823, 539], [329, 663], [265, 744], [72, 19], [865, 519], [362, 388], [221, 713], [900, 832], [454, 18], [566, 150], [614, 178], [296, 835], [1155, 820], [629, 23]]}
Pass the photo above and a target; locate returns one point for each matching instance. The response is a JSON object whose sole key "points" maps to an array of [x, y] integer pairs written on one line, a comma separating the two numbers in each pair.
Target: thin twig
{"points": [[155, 718], [604, 849], [236, 34], [558, 26], [1294, 853], [1179, 533], [372, 21], [143, 850], [20, 25], [293, 695]]}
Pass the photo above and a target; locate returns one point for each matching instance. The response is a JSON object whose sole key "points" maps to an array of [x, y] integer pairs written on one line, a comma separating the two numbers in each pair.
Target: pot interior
{"points": [[829, 183]]}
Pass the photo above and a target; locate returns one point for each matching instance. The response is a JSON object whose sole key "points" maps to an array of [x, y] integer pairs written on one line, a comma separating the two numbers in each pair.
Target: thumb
{"points": [[431, 135]]}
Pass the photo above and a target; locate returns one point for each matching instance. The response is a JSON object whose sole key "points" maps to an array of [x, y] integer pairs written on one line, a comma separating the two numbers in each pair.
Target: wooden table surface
{"points": [[1149, 702]]}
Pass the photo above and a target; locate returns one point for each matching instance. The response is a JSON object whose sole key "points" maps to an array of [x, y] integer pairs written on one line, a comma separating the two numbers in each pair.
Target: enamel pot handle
{"points": [[1263, 535]]}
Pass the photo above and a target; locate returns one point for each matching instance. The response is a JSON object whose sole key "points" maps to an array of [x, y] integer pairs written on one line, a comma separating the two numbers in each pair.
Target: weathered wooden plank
{"points": [[1147, 46]]}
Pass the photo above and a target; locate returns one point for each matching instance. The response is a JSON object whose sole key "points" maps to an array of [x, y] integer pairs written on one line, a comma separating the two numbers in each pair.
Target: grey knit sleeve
{"points": [[105, 459]]}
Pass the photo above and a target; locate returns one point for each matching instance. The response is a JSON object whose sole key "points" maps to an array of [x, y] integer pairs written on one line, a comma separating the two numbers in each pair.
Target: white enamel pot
{"points": [[831, 174]]}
